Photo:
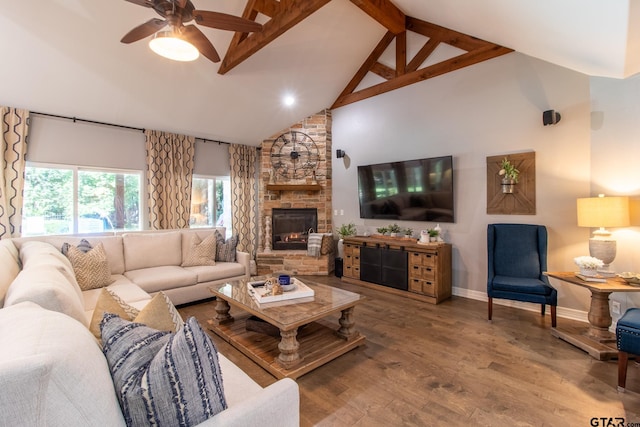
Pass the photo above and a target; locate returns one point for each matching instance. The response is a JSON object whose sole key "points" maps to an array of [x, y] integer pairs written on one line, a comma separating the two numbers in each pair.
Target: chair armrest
{"points": [[245, 259], [277, 405]]}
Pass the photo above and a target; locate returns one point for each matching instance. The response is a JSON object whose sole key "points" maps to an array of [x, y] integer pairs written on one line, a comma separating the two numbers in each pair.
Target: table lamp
{"points": [[603, 212]]}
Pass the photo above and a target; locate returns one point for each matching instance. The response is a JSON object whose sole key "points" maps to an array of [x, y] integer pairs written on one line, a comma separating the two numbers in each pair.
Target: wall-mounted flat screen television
{"points": [[411, 190]]}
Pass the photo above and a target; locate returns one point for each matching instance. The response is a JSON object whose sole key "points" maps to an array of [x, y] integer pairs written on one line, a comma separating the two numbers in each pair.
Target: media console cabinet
{"points": [[400, 266]]}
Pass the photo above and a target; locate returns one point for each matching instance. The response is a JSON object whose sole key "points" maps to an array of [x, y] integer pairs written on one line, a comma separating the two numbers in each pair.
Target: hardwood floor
{"points": [[445, 364]]}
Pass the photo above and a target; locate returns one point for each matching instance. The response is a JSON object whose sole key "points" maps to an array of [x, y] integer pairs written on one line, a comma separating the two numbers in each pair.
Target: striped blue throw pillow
{"points": [[162, 378]]}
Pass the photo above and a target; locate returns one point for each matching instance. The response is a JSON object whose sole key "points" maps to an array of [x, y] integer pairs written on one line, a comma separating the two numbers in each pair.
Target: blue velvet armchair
{"points": [[517, 259]]}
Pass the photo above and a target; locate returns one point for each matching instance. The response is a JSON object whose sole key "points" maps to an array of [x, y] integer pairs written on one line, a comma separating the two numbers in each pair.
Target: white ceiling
{"points": [[64, 57]]}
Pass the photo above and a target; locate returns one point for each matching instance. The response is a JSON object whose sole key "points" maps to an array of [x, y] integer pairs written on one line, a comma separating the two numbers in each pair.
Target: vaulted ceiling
{"points": [[65, 57]]}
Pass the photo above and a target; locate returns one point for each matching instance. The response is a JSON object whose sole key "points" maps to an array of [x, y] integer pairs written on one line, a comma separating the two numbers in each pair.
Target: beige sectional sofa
{"points": [[52, 368]]}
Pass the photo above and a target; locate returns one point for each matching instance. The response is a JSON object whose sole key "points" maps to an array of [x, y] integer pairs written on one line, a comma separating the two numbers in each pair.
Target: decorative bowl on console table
{"points": [[630, 278]]}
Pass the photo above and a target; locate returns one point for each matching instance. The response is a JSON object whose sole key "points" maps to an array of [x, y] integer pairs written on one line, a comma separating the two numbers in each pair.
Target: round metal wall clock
{"points": [[294, 155]]}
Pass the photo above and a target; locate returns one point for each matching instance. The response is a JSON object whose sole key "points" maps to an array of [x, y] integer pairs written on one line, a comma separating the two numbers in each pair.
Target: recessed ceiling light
{"points": [[288, 100]]}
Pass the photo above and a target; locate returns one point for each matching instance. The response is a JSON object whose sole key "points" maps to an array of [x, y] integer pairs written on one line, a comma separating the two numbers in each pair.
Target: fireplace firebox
{"points": [[290, 227]]}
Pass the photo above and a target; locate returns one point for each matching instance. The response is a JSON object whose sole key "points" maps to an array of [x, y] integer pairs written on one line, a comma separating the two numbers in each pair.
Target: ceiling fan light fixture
{"points": [[171, 46]]}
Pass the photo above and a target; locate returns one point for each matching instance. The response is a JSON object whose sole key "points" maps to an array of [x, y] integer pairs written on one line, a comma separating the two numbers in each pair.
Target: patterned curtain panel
{"points": [[169, 176], [14, 125], [243, 196]]}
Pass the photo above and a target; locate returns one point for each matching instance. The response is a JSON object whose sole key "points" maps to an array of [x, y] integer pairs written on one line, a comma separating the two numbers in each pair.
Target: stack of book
{"points": [[597, 278]]}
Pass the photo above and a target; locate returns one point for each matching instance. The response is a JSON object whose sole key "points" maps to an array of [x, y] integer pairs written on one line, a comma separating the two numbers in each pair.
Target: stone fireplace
{"points": [[278, 193], [290, 227]]}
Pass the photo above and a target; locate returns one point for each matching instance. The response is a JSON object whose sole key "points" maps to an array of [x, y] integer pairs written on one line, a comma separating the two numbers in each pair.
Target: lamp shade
{"points": [[603, 211], [171, 46]]}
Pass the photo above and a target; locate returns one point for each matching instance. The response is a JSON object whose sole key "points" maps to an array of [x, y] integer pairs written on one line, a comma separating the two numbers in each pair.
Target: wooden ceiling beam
{"points": [[385, 12], [477, 50], [434, 70], [268, 8], [368, 64], [444, 35], [383, 71], [289, 14]]}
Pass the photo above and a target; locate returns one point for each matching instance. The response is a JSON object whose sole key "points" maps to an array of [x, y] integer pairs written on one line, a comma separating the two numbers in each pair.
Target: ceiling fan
{"points": [[178, 12]]}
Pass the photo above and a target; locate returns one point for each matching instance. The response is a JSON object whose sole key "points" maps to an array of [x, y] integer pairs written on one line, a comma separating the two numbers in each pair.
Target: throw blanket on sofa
{"points": [[314, 244]]}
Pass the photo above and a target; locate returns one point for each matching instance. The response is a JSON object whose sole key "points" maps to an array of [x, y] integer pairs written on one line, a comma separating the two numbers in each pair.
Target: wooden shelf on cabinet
{"points": [[294, 187]]}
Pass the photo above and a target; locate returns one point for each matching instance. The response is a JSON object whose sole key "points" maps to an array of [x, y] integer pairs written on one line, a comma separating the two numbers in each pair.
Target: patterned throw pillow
{"points": [[162, 378], [92, 268], [201, 252], [159, 313], [226, 251]]}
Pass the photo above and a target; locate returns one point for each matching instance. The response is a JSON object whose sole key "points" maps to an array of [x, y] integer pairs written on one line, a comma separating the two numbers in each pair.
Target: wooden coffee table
{"points": [[298, 350]]}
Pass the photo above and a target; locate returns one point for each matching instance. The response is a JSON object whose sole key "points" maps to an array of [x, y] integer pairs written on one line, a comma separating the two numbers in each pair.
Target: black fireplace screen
{"points": [[290, 228]]}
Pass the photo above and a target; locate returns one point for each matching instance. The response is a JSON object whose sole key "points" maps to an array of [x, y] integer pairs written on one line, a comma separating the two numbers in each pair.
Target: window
{"points": [[211, 202], [69, 199]]}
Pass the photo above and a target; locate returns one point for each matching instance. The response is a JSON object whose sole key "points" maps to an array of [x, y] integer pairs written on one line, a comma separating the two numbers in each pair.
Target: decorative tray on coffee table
{"points": [[262, 293]]}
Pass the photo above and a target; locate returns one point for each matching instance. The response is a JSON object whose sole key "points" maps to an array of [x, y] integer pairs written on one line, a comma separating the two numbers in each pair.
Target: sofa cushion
{"points": [[9, 266], [198, 251], [226, 250], [159, 313], [35, 253], [123, 287], [48, 287], [112, 246], [157, 279], [52, 371], [222, 270], [144, 250], [162, 378], [90, 266]]}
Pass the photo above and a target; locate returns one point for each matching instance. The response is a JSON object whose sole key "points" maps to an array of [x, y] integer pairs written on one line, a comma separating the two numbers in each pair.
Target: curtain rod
{"points": [[94, 122]]}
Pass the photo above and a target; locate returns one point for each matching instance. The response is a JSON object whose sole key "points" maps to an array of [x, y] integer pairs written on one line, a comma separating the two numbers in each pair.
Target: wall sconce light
{"points": [[340, 154], [603, 212], [550, 117]]}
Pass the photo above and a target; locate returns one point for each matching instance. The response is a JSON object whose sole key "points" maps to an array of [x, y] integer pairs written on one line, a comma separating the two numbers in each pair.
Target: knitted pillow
{"points": [[163, 378], [84, 246], [226, 250], [92, 268], [327, 244], [159, 313], [201, 252]]}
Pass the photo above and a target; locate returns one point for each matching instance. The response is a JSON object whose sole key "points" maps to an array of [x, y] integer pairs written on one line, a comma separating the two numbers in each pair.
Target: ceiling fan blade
{"points": [[182, 3], [223, 21], [194, 36], [145, 3], [141, 31]]}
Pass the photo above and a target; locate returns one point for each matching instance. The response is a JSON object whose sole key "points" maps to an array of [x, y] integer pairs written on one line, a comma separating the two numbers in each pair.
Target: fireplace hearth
{"points": [[290, 227]]}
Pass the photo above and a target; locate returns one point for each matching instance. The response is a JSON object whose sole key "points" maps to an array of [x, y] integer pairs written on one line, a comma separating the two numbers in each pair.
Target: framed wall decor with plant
{"points": [[511, 184]]}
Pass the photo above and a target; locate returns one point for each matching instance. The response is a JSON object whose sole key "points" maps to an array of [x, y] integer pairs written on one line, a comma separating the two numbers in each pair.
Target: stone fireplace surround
{"points": [[291, 261]]}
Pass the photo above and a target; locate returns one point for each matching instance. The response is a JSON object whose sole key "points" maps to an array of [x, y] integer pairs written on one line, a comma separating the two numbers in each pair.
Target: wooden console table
{"points": [[596, 339], [406, 268]]}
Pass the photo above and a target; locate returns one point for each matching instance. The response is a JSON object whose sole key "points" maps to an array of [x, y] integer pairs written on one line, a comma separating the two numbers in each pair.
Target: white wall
{"points": [[615, 163], [488, 109]]}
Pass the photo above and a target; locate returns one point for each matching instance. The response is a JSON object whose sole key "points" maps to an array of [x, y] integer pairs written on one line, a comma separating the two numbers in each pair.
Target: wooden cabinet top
{"points": [[395, 242]]}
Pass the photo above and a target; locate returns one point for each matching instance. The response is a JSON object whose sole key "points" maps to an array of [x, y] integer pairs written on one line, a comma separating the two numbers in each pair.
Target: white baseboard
{"points": [[566, 313]]}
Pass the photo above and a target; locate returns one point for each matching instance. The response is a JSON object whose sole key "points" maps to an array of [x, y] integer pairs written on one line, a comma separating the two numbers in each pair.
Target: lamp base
{"points": [[604, 250]]}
